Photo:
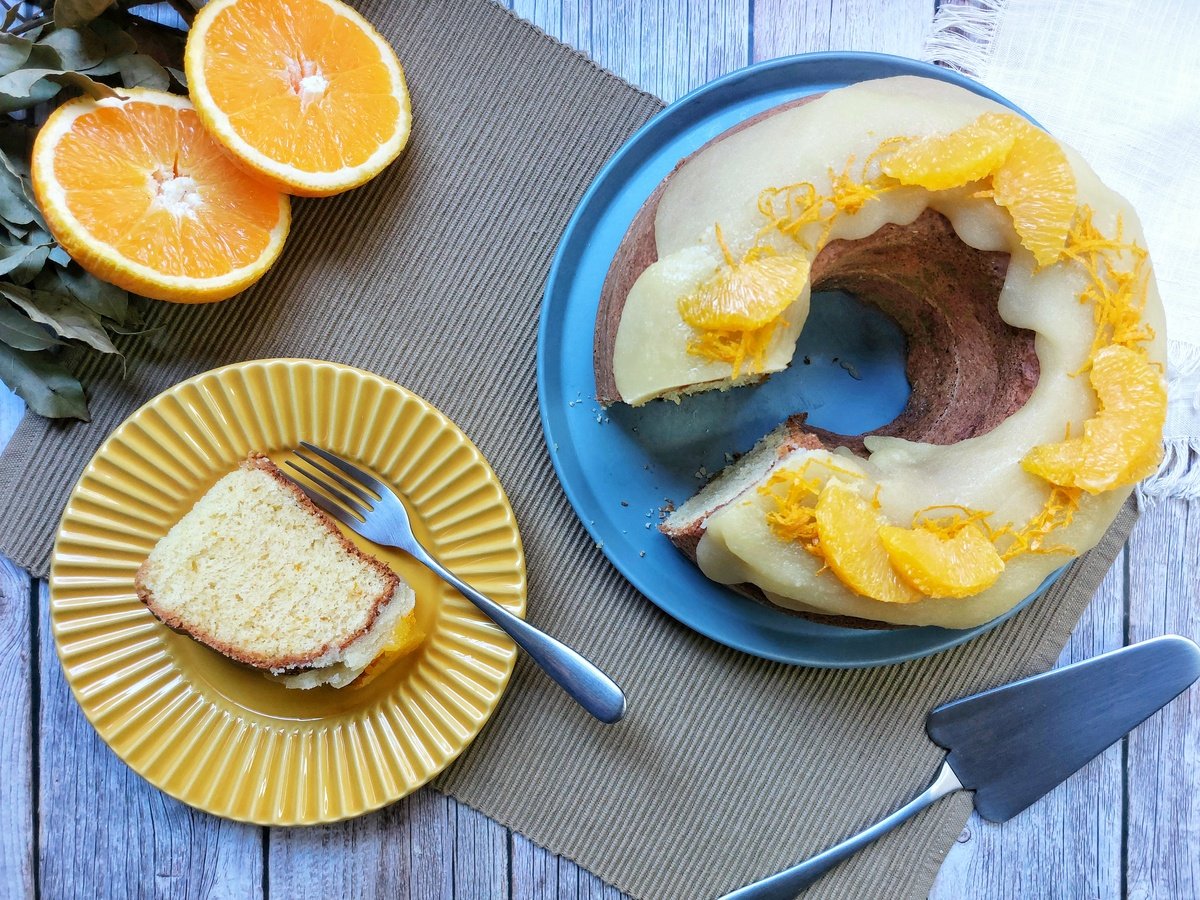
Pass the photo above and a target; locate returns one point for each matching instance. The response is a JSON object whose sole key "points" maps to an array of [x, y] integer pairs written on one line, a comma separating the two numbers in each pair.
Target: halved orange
{"points": [[305, 93], [141, 196]]}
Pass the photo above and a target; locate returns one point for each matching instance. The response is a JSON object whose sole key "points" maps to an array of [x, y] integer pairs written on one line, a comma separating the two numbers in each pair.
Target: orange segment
{"points": [[1037, 187], [941, 565], [943, 161], [404, 640], [140, 195], [746, 295], [1121, 444], [848, 529], [305, 93]]}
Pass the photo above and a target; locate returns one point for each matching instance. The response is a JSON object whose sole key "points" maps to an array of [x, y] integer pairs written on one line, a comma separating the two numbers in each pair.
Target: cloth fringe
{"points": [[961, 36], [1179, 475]]}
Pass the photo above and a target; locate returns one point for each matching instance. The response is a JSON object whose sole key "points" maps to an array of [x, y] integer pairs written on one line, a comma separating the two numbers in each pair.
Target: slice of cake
{"points": [[257, 572]]}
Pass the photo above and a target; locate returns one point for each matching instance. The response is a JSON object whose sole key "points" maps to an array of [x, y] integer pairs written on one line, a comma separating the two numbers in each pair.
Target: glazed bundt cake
{"points": [[1034, 337]]}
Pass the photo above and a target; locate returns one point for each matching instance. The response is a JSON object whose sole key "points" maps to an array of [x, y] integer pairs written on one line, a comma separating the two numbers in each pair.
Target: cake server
{"points": [[379, 516], [1014, 743]]}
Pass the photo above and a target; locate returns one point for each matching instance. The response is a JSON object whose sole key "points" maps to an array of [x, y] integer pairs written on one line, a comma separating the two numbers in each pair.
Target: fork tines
{"points": [[353, 492]]}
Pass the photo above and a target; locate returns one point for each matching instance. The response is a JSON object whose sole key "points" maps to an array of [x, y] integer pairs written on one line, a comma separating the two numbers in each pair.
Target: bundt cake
{"points": [[1034, 339], [257, 572]]}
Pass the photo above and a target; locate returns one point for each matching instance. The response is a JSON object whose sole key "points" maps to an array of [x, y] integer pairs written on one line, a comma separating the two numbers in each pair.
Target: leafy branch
{"points": [[49, 306]]}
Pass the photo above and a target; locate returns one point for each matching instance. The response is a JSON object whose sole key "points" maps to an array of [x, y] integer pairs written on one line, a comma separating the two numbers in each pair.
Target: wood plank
{"points": [[783, 27], [427, 847], [540, 875], [481, 855], [16, 734], [1163, 764], [107, 833], [1070, 840], [666, 47]]}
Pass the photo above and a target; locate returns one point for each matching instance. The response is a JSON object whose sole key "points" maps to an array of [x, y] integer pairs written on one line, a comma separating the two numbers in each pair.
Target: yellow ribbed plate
{"points": [[221, 736]]}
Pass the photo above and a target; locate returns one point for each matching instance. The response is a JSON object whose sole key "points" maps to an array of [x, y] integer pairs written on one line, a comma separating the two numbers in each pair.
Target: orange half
{"points": [[305, 93], [140, 195]]}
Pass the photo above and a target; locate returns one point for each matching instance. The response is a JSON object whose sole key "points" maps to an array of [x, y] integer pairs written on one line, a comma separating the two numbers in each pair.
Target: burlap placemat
{"points": [[727, 767]]}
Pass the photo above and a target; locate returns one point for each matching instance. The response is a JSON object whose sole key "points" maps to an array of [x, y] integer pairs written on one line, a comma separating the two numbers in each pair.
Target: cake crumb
{"points": [[851, 370]]}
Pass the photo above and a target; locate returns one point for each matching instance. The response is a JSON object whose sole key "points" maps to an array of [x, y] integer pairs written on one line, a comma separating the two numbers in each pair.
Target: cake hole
{"points": [[967, 368]]}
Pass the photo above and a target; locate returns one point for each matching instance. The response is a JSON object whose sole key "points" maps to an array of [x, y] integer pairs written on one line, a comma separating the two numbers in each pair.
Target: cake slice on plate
{"points": [[257, 572]]}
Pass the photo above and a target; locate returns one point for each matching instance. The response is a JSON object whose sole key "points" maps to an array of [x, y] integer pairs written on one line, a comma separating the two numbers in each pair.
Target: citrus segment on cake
{"points": [[1121, 444], [958, 564], [140, 195], [1036, 186], [942, 161], [848, 530], [304, 93]]}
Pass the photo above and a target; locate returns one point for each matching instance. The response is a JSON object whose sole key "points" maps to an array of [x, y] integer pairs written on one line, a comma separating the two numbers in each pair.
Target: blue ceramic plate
{"points": [[620, 467]]}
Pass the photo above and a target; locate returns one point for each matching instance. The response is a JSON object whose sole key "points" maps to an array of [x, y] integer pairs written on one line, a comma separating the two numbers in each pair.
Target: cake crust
{"points": [[294, 662]]}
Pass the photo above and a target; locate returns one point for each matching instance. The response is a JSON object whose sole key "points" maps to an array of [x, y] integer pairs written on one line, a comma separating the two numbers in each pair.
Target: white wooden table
{"points": [[75, 822]]}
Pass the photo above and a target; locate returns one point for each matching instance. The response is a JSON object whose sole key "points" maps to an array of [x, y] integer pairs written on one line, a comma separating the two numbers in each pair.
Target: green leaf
{"points": [[28, 268], [17, 204], [73, 13], [139, 70], [117, 42], [100, 297], [77, 48], [13, 52], [27, 87], [179, 77], [94, 89], [21, 333], [41, 381], [21, 262], [13, 205], [64, 314], [60, 256]]}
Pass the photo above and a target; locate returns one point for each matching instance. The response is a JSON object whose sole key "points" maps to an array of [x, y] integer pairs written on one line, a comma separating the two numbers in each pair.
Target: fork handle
{"points": [[584, 682]]}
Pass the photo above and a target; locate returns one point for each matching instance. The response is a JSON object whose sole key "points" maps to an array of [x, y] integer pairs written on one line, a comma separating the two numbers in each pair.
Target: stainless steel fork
{"points": [[382, 518]]}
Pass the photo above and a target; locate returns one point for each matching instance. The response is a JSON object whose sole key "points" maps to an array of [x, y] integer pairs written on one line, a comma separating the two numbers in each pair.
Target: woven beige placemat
{"points": [[727, 767]]}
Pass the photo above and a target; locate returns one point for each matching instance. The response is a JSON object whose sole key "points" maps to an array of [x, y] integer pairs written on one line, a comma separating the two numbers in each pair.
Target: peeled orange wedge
{"points": [[140, 195], [942, 161], [746, 295], [848, 530], [1036, 185], [304, 93], [938, 565], [1121, 444]]}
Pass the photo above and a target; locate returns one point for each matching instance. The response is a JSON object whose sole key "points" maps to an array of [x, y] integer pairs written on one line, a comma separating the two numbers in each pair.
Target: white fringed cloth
{"points": [[1120, 82]]}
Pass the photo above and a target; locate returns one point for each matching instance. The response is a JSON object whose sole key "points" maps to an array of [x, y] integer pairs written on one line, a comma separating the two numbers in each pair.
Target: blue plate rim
{"points": [[942, 639]]}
